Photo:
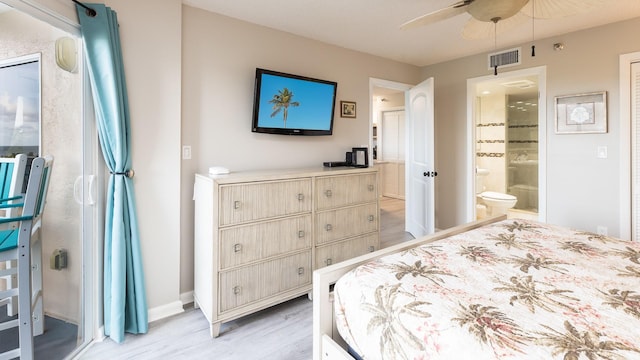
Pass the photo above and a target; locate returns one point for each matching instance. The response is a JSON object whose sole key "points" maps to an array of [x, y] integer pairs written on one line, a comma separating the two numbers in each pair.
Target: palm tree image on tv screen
{"points": [[281, 103], [293, 105]]}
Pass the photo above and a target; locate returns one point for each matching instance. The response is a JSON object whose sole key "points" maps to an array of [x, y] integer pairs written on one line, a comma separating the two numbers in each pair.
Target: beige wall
{"points": [[220, 56], [151, 36], [582, 190]]}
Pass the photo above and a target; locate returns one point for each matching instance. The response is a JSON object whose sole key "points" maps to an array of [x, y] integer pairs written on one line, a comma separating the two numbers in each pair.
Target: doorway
{"points": [[506, 120], [388, 154]]}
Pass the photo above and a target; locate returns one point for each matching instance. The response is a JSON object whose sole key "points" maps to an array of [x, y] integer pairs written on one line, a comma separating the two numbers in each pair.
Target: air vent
{"points": [[505, 58]]}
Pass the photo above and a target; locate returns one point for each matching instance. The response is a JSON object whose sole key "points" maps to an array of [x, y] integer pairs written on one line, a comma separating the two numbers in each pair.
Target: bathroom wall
{"points": [[490, 140]]}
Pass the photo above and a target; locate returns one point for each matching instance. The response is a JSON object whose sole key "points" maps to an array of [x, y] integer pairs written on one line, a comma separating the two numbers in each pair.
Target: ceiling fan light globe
{"points": [[488, 10]]}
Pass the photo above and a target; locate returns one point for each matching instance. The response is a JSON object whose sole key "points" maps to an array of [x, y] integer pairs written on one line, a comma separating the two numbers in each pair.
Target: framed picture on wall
{"points": [[20, 106], [347, 109], [582, 113]]}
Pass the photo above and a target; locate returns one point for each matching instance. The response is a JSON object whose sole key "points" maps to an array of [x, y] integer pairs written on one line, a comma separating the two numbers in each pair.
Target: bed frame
{"points": [[327, 343]]}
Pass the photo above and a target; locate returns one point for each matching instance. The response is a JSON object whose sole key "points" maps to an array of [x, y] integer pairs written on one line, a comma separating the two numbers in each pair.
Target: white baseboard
{"points": [[186, 298], [60, 317], [164, 311]]}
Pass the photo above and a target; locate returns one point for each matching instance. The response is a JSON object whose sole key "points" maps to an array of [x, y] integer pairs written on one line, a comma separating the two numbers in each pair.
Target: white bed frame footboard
{"points": [[327, 343]]}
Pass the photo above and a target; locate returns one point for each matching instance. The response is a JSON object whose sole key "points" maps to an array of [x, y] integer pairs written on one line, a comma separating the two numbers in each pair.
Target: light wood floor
{"points": [[282, 332], [392, 222]]}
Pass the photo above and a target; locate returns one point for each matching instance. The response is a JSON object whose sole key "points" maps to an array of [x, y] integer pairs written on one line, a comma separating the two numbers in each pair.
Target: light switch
{"points": [[602, 152], [186, 152]]}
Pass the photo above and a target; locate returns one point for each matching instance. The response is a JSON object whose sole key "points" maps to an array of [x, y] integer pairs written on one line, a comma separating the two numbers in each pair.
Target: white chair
{"points": [[12, 171], [23, 244]]}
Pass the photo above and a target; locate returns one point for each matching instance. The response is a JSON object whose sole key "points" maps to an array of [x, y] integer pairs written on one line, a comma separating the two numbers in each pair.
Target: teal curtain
{"points": [[125, 303]]}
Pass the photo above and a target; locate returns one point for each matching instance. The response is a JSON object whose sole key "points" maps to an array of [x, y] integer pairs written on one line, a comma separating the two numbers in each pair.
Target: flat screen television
{"points": [[292, 105]]}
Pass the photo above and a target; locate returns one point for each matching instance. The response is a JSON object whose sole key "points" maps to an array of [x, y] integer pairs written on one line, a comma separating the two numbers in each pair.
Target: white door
{"points": [[420, 169], [392, 146]]}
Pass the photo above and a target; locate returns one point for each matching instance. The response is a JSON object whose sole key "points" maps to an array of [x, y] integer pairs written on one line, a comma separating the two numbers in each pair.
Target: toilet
{"points": [[496, 203]]}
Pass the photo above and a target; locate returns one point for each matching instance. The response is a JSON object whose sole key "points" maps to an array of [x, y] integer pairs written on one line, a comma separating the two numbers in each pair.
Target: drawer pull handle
{"points": [[371, 218], [328, 261], [301, 234], [370, 187], [237, 290], [237, 248], [328, 193], [236, 205], [372, 248], [328, 227], [300, 197], [300, 271]]}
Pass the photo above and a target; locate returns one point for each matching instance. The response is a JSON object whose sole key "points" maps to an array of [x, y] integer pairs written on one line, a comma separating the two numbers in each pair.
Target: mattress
{"points": [[514, 289]]}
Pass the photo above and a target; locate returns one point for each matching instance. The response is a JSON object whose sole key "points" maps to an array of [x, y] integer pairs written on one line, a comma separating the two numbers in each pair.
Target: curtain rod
{"points": [[89, 10]]}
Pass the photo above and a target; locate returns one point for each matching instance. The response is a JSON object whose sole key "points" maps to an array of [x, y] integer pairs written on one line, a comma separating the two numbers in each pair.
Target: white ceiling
{"points": [[372, 26]]}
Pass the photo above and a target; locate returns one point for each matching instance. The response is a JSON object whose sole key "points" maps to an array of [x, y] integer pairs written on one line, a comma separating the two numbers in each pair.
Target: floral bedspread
{"points": [[515, 289]]}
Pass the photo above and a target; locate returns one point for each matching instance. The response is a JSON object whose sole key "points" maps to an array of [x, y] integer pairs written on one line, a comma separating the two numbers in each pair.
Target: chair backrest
{"points": [[12, 175], [28, 221], [37, 187]]}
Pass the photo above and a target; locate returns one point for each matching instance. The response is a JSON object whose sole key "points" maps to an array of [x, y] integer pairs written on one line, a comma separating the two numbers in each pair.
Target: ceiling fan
{"points": [[489, 17]]}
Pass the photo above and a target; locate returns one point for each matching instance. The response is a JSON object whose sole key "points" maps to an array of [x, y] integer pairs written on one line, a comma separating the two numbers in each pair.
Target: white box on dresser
{"points": [[259, 235]]}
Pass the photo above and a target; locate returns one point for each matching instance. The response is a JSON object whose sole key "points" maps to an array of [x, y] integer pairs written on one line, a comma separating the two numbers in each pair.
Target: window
{"points": [[20, 106]]}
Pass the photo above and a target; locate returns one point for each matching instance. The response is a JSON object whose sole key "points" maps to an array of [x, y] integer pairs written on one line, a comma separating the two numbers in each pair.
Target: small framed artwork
{"points": [[347, 109], [582, 113]]}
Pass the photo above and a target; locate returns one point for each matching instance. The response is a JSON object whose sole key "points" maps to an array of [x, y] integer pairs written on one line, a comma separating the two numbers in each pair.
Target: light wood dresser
{"points": [[259, 235]]}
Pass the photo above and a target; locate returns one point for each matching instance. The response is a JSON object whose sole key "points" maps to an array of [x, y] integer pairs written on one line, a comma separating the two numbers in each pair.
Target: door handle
{"points": [[430, 173], [78, 191]]}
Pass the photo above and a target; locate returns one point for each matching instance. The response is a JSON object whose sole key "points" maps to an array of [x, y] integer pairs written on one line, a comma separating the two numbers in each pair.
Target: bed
{"points": [[495, 289]]}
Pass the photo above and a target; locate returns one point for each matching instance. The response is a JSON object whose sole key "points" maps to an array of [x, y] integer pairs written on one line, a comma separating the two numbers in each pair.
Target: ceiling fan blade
{"points": [[475, 29], [438, 15], [552, 9]]}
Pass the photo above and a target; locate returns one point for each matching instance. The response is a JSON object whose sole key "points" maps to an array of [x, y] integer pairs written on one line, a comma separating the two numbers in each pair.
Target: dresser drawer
{"points": [[247, 243], [259, 281], [344, 250], [246, 202], [346, 222], [342, 190]]}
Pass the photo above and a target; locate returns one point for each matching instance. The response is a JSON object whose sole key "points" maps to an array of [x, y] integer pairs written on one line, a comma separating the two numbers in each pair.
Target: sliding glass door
{"points": [[69, 221]]}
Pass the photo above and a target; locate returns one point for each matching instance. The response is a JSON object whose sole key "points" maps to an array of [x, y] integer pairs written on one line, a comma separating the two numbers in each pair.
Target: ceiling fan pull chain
{"points": [[533, 28], [495, 42]]}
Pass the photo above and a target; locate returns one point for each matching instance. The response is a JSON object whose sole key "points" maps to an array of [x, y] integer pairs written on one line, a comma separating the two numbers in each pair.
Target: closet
{"points": [[391, 153]]}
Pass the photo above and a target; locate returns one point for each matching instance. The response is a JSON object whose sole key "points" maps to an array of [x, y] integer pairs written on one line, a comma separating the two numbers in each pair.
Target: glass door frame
{"points": [[93, 173]]}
